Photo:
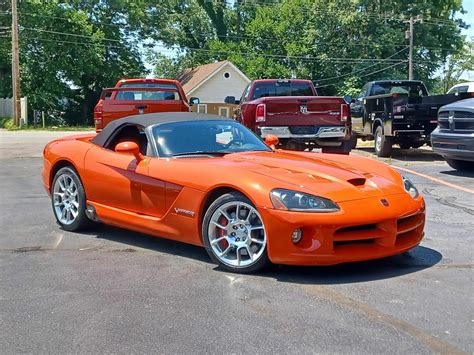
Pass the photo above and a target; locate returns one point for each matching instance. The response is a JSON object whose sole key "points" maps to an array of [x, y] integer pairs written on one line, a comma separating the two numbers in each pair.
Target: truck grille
{"points": [[461, 121]]}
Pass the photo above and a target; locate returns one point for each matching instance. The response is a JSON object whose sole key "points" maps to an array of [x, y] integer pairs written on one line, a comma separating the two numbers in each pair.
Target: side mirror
{"points": [[348, 99], [129, 148], [230, 100], [271, 141], [194, 101]]}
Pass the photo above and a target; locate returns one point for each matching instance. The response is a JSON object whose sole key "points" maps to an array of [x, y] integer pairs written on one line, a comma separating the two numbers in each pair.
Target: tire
{"points": [[68, 198], [382, 144], [225, 232], [295, 146], [460, 164], [353, 141], [344, 148]]}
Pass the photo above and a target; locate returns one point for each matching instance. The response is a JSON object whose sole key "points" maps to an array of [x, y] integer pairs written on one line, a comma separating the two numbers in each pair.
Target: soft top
{"points": [[151, 119]]}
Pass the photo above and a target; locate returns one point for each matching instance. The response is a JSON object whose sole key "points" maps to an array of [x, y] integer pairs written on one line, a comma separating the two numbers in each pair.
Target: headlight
{"points": [[283, 199], [409, 187]]}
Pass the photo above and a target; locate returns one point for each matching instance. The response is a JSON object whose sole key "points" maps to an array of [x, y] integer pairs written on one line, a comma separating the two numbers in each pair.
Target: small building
{"points": [[211, 83]]}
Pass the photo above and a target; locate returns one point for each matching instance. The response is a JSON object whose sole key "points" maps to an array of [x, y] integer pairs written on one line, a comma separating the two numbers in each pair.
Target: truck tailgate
{"points": [[115, 109], [303, 111]]}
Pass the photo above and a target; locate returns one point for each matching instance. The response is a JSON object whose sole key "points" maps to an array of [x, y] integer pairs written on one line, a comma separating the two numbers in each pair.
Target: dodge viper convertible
{"points": [[209, 181]]}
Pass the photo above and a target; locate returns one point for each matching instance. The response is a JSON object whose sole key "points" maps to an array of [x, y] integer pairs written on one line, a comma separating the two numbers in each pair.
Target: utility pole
{"points": [[410, 35], [410, 55], [15, 66]]}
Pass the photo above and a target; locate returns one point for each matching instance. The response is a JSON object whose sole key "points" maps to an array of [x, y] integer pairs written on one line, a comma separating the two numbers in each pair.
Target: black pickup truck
{"points": [[397, 112]]}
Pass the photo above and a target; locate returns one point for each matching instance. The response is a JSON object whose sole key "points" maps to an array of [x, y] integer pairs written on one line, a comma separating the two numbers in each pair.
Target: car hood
{"points": [[340, 178]]}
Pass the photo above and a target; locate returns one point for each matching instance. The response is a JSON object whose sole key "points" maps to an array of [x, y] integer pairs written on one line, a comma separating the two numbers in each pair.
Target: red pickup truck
{"points": [[293, 111], [140, 96]]}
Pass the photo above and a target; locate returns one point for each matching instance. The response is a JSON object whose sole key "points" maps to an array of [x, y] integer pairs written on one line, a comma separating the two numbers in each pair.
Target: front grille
{"points": [[444, 114], [443, 124], [303, 129], [463, 114], [465, 125]]}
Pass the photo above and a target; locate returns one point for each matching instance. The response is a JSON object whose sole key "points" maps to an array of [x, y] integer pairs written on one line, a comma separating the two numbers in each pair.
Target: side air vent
{"points": [[357, 181]]}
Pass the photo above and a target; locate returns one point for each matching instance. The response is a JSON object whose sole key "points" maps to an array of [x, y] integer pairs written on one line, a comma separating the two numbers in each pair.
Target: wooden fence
{"points": [[6, 108]]}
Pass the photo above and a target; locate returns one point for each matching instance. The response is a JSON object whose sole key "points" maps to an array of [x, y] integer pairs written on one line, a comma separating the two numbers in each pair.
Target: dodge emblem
{"points": [[384, 202], [451, 120], [304, 109]]}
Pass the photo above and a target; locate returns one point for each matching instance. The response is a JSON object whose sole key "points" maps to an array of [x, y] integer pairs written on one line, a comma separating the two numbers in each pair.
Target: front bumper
{"points": [[321, 132], [453, 145], [361, 230]]}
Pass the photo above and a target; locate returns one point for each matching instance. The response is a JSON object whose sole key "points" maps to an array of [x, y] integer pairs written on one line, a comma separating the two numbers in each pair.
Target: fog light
{"points": [[296, 236]]}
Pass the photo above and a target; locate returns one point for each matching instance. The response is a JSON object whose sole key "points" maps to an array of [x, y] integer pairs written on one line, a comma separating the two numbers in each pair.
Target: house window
{"points": [[227, 75], [202, 108], [223, 111]]}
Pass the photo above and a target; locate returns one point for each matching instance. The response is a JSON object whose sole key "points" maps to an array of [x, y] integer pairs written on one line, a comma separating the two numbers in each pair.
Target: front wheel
{"points": [[234, 234], [69, 200], [382, 144]]}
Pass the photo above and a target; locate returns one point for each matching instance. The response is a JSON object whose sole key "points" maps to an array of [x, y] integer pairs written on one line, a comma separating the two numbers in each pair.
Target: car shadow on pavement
{"points": [[459, 173], [412, 154], [131, 239], [417, 259]]}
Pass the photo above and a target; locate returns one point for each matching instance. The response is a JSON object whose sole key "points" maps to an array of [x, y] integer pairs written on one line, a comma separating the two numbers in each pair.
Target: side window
{"points": [[130, 133], [363, 92], [245, 93], [463, 88], [453, 90]]}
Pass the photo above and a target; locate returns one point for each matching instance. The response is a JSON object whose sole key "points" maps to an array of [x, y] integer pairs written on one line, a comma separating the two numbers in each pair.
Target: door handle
{"points": [[141, 107]]}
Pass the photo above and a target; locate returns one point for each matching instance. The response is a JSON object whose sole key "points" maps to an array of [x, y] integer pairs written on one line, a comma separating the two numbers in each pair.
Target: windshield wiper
{"points": [[201, 152]]}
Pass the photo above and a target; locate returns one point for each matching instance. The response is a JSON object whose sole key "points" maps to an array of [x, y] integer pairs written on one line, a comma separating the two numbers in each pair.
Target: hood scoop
{"points": [[357, 181]]}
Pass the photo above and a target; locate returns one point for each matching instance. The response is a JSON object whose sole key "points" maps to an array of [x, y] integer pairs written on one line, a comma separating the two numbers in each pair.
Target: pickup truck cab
{"points": [[292, 111], [397, 112], [140, 96]]}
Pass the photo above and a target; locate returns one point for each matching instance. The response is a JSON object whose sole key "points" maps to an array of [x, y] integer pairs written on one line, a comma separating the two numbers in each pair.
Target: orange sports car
{"points": [[209, 181]]}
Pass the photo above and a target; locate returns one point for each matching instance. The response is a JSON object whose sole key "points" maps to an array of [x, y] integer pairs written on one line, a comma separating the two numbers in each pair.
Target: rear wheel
{"points": [[382, 144], [234, 234], [460, 164], [344, 148], [353, 141], [69, 200]]}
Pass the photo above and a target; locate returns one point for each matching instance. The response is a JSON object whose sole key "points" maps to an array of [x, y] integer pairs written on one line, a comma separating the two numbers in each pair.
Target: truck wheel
{"points": [[294, 145], [353, 141], [460, 164], [344, 148], [383, 146]]}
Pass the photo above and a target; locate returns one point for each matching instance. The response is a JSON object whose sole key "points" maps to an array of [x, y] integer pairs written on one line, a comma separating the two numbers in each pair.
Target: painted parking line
{"points": [[439, 181]]}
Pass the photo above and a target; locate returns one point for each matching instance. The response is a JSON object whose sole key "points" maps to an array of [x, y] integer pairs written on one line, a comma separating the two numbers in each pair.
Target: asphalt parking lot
{"points": [[111, 290]]}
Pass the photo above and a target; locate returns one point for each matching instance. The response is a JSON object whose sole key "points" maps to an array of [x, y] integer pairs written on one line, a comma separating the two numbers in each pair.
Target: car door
{"points": [[239, 111], [357, 111], [119, 181]]}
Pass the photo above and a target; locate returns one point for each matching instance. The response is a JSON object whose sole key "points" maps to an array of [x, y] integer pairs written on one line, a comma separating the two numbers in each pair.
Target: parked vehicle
{"points": [[463, 87], [221, 187], [454, 136], [140, 96], [293, 111], [397, 112]]}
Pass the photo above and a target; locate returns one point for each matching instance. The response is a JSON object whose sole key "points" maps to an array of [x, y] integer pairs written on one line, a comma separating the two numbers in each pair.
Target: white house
{"points": [[211, 83]]}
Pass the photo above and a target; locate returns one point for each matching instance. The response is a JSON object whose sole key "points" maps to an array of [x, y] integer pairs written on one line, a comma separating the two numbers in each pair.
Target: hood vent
{"points": [[357, 181]]}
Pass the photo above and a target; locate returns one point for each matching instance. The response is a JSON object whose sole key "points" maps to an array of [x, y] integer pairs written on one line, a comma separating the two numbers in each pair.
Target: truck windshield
{"points": [[170, 92], [205, 137], [282, 88], [404, 88]]}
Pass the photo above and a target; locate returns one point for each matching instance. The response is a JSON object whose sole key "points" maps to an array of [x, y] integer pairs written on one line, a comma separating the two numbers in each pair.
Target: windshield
{"points": [[201, 137], [170, 92], [404, 88], [282, 88]]}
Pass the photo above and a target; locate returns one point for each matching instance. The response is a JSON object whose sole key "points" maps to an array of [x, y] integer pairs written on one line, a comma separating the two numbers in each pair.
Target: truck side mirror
{"points": [[348, 99], [230, 100], [194, 101]]}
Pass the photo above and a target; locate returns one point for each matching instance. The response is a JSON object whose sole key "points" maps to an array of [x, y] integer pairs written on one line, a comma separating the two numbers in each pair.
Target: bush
{"points": [[6, 122]]}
